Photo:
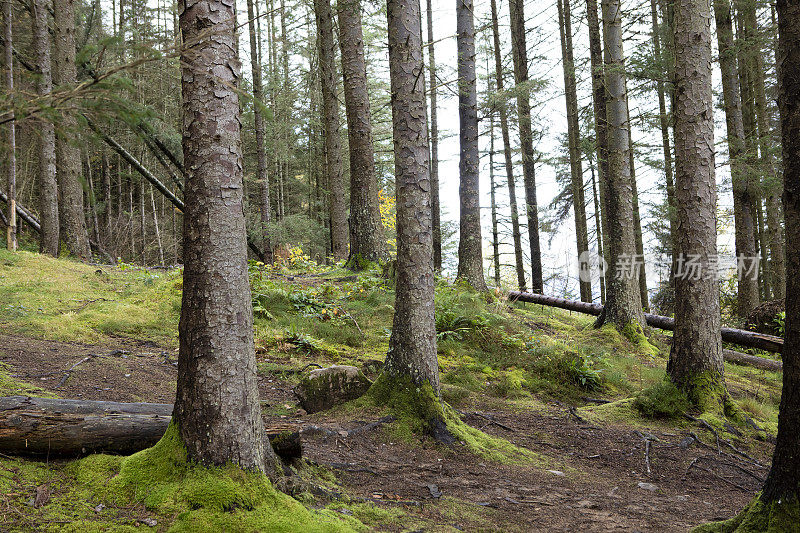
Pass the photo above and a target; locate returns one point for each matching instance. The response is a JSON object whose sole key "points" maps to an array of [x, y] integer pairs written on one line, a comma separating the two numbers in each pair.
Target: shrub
{"points": [[663, 400]]}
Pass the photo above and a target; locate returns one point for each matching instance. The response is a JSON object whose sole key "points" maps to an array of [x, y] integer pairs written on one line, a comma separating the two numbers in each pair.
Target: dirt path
{"points": [[590, 480]]}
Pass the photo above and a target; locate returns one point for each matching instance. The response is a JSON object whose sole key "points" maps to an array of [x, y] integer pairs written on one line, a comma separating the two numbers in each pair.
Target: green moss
{"points": [[10, 386], [706, 391], [759, 517], [635, 335], [224, 498], [662, 400]]}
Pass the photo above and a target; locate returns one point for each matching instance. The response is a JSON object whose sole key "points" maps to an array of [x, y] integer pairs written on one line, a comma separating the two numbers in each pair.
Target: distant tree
{"points": [[434, 134], [11, 161], [217, 406]]}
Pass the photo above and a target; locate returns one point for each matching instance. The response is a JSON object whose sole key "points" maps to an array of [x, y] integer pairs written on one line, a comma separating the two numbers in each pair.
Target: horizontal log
{"points": [[750, 339], [72, 428], [752, 360]]}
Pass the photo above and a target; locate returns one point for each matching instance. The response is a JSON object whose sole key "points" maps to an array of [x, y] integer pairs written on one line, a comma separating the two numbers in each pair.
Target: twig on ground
{"points": [[68, 373]]}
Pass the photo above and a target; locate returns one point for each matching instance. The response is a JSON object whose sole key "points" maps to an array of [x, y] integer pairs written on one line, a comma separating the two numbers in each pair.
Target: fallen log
{"points": [[741, 337], [73, 428], [752, 360]]}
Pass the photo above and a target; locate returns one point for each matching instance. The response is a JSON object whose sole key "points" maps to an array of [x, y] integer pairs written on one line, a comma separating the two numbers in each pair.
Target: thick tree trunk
{"points": [[747, 294], [333, 142], [573, 135], [68, 159], [434, 134], [520, 56], [512, 185], [48, 186], [262, 175], [470, 245], [695, 363], [623, 300], [11, 161], [366, 229], [781, 486], [217, 406], [412, 346]]}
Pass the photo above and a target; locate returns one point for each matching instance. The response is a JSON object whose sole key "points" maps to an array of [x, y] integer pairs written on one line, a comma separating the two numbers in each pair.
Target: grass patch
{"points": [[663, 401]]}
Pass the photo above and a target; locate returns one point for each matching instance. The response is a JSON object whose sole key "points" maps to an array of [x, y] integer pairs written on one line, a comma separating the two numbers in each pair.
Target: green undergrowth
{"points": [[759, 517], [11, 386], [191, 497]]}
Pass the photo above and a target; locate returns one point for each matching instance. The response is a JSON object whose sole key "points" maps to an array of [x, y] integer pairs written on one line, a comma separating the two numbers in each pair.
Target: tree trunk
{"points": [[781, 486], [366, 229], [512, 186], [48, 186], [573, 135], [11, 162], [68, 159], [599, 232], [695, 362], [520, 56], [747, 294], [217, 407], [434, 160], [637, 219], [262, 176], [495, 235], [470, 245], [106, 214], [333, 142], [412, 346], [623, 300]]}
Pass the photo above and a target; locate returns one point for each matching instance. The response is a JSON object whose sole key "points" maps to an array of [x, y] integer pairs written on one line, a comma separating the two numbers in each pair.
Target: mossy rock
{"points": [[327, 387]]}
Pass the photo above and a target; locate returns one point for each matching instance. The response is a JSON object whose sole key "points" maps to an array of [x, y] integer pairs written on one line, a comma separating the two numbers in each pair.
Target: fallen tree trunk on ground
{"points": [[72, 428], [741, 337], [752, 360]]}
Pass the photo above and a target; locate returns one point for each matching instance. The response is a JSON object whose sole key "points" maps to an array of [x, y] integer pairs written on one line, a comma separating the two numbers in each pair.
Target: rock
{"points": [[325, 387], [556, 472], [648, 486]]}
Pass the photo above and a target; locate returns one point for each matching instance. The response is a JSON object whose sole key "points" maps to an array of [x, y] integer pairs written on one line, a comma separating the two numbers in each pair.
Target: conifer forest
{"points": [[401, 265]]}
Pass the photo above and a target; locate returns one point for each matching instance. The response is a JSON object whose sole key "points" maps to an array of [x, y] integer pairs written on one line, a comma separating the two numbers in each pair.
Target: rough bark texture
{"points": [[573, 135], [512, 185], [623, 301], [11, 161], [781, 484], [434, 142], [262, 175], [412, 346], [68, 159], [217, 404], [695, 362], [366, 230], [747, 295], [330, 120], [48, 186], [520, 56], [470, 245]]}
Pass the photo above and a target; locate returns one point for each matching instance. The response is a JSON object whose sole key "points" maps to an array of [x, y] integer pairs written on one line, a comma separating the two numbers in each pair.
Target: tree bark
{"points": [[333, 142], [623, 300], [520, 56], [781, 484], [68, 159], [262, 175], [747, 294], [48, 186], [493, 201], [434, 134], [412, 346], [512, 185], [11, 162], [367, 242], [217, 407], [695, 362], [573, 135], [470, 244], [598, 231]]}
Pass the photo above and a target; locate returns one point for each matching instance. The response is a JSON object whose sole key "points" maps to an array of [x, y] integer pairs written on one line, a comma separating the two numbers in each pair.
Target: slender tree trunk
{"points": [[92, 197], [512, 186], [366, 230], [781, 488], [747, 294], [520, 56], [470, 245], [495, 236], [262, 176], [637, 219], [623, 300], [106, 177], [695, 362], [412, 346], [333, 142], [156, 229], [573, 135], [599, 232], [48, 186], [766, 285], [217, 407], [434, 133], [11, 162], [68, 159]]}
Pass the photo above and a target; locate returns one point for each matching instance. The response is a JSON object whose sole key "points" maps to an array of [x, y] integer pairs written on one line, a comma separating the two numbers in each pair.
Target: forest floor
{"points": [[597, 468]]}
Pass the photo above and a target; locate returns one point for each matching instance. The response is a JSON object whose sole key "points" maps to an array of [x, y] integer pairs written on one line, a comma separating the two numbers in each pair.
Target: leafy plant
{"points": [[780, 323], [663, 400]]}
